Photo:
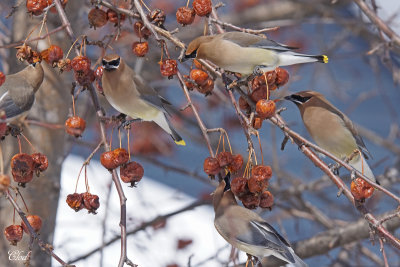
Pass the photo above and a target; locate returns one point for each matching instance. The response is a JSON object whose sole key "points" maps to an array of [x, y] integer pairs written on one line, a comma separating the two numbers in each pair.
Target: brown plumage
{"points": [[331, 129], [246, 230]]}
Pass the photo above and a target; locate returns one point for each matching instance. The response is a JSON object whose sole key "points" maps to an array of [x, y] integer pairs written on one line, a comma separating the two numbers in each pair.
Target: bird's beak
{"points": [[109, 67], [189, 56], [227, 180]]}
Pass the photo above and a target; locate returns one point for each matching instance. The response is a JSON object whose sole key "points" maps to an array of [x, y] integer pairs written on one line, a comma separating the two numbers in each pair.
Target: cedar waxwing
{"points": [[331, 129], [17, 93], [246, 53], [246, 230], [128, 94]]}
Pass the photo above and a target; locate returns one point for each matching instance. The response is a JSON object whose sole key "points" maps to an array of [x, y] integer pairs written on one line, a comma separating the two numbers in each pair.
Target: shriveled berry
{"points": [[239, 186], [36, 7], [64, 65], [197, 64], [185, 15], [75, 201], [261, 172], [85, 78], [207, 87], [5, 182], [282, 77], [202, 7], [107, 160], [97, 18], [250, 200], [121, 156], [200, 77], [236, 164], [266, 200], [91, 202], [22, 167], [265, 108], [112, 16], [81, 64], [157, 17], [361, 189], [140, 30], [211, 166], [3, 124], [257, 184], [35, 221], [13, 233], [260, 80], [257, 122], [52, 55], [98, 73], [188, 83], [75, 126], [224, 158], [243, 105], [140, 49], [168, 68], [40, 161], [24, 52], [259, 94], [132, 173], [183, 243], [2, 78]]}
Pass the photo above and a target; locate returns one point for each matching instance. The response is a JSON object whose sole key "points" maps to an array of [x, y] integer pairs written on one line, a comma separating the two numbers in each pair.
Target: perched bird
{"points": [[246, 230], [17, 93], [331, 129], [128, 94], [246, 53]]}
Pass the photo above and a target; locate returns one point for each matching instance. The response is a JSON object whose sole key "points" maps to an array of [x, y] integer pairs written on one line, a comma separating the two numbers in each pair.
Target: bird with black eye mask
{"points": [[332, 130]]}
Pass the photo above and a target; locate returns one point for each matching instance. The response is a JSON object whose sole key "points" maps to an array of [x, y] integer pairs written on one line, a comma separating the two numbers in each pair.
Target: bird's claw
{"points": [[334, 168], [126, 124], [258, 70]]}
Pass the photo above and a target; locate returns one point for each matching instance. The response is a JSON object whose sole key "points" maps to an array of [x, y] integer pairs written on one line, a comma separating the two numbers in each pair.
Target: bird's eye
{"points": [[115, 62], [301, 99]]}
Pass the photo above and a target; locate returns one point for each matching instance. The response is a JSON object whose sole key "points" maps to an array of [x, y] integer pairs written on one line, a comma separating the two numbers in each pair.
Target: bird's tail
{"points": [[163, 122], [361, 165], [298, 262], [290, 58]]}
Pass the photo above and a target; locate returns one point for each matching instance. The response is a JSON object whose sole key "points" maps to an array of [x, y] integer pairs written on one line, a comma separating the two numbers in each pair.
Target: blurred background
{"points": [[361, 79]]}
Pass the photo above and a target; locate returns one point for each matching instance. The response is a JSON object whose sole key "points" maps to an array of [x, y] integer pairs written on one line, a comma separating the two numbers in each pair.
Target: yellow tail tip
{"points": [[181, 143], [325, 58]]}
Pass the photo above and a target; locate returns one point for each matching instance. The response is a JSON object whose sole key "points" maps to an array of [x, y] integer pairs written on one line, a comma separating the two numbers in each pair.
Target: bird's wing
{"points": [[349, 125], [148, 94], [9, 106], [263, 235], [251, 40]]}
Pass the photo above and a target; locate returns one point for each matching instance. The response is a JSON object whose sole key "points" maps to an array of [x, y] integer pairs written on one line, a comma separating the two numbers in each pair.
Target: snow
{"points": [[79, 232]]}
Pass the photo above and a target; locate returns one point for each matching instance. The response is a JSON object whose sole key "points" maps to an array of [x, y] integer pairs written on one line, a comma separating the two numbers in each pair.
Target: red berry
{"points": [[257, 122], [81, 64], [75, 201], [259, 94], [265, 108], [236, 164], [64, 65], [107, 160], [85, 78], [112, 16], [40, 161], [13, 233], [239, 186], [2, 78], [52, 55], [91, 202], [257, 184], [200, 77], [250, 200], [260, 80], [97, 18], [36, 7], [206, 88], [168, 68], [75, 126], [185, 15], [3, 124], [243, 105], [361, 189], [132, 173], [121, 156], [35, 221], [140, 49], [282, 77], [22, 167], [188, 83], [98, 73], [140, 30], [266, 200], [211, 166], [261, 172], [202, 7], [224, 158]]}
